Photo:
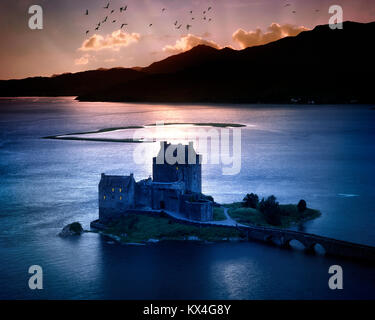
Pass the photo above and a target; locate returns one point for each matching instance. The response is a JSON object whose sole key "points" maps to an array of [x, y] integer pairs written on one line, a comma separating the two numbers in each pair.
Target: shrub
{"points": [[251, 201], [302, 205], [271, 210]]}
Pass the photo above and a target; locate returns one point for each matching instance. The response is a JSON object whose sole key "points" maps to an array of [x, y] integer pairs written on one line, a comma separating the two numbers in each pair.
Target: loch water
{"points": [[321, 153]]}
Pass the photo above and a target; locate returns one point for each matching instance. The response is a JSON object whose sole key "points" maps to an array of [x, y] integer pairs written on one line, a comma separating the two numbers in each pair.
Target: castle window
{"points": [[120, 189], [177, 168], [113, 189], [120, 198], [104, 197]]}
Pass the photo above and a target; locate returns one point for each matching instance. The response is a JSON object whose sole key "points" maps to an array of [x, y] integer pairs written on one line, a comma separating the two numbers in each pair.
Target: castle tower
{"points": [[178, 162], [116, 195]]}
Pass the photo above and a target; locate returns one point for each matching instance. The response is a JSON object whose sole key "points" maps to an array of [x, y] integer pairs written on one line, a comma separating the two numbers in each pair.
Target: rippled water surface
{"points": [[323, 154]]}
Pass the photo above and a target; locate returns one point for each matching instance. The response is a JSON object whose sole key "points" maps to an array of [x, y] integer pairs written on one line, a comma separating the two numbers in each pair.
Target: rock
{"points": [[72, 229]]}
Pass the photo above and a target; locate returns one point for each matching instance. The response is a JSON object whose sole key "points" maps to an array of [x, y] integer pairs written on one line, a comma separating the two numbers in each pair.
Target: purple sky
{"points": [[60, 47]]}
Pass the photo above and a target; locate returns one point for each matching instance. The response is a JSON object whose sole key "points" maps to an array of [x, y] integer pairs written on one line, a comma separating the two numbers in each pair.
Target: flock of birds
{"points": [[177, 24], [294, 11]]}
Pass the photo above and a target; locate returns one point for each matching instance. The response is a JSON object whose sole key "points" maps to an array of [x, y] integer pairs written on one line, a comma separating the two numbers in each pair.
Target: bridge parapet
{"points": [[331, 246]]}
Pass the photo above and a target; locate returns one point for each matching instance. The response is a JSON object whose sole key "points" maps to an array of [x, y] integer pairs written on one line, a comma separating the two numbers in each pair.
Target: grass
{"points": [[139, 228], [290, 215], [219, 214]]}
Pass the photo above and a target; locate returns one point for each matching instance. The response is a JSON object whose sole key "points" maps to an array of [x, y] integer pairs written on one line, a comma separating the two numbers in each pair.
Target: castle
{"points": [[176, 186]]}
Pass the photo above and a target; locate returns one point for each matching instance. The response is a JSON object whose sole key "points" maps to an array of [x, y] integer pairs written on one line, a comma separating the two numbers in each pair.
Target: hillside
{"points": [[321, 65]]}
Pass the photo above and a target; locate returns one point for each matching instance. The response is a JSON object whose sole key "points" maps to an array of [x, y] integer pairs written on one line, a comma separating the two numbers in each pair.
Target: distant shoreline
{"points": [[202, 103]]}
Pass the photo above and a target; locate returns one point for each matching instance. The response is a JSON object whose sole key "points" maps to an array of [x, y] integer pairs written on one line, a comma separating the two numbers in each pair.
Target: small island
{"points": [[269, 213], [171, 206]]}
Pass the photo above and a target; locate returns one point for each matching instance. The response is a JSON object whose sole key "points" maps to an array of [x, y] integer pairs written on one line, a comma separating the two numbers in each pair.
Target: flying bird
{"points": [[209, 8], [287, 5], [293, 11], [204, 18], [150, 25], [124, 24], [188, 26], [105, 20], [125, 8], [317, 10], [87, 32], [87, 12], [204, 12], [113, 21], [162, 10], [112, 11], [209, 20], [192, 18], [176, 23], [179, 26], [97, 28], [191, 12], [107, 6]]}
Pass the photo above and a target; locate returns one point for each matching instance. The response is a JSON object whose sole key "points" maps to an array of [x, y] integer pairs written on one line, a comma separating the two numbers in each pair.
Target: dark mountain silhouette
{"points": [[68, 84], [321, 65]]}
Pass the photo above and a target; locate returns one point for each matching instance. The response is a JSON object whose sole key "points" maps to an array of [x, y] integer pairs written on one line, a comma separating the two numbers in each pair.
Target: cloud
{"points": [[274, 32], [82, 60], [113, 41], [188, 42], [108, 60]]}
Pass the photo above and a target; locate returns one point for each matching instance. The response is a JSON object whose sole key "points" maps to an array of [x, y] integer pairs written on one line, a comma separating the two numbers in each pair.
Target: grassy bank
{"points": [[289, 215], [219, 214], [136, 228]]}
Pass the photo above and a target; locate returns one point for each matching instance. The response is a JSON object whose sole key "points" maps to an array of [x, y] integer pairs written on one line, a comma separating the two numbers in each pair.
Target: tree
{"points": [[302, 205], [271, 210], [251, 201]]}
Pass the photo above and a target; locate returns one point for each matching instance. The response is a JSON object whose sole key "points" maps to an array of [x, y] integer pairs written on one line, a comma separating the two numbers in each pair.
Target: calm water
{"points": [[324, 154]]}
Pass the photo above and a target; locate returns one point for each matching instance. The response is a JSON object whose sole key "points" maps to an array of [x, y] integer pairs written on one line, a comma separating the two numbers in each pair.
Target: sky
{"points": [[63, 46]]}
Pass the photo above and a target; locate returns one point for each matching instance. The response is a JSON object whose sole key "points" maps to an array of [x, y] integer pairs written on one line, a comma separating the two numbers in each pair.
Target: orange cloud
{"points": [[274, 32], [113, 41], [188, 42], [82, 60]]}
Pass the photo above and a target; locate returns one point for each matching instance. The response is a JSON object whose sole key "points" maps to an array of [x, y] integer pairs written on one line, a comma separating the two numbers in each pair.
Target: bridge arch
{"points": [[296, 244], [319, 249]]}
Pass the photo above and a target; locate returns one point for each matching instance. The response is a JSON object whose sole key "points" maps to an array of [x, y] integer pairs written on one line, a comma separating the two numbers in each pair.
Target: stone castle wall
{"points": [[199, 211]]}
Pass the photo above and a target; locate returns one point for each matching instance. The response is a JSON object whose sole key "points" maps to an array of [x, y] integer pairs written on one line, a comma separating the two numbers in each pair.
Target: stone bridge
{"points": [[331, 246]]}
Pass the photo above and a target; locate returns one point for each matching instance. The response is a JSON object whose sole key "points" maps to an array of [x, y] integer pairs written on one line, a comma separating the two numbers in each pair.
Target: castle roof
{"points": [[115, 181]]}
